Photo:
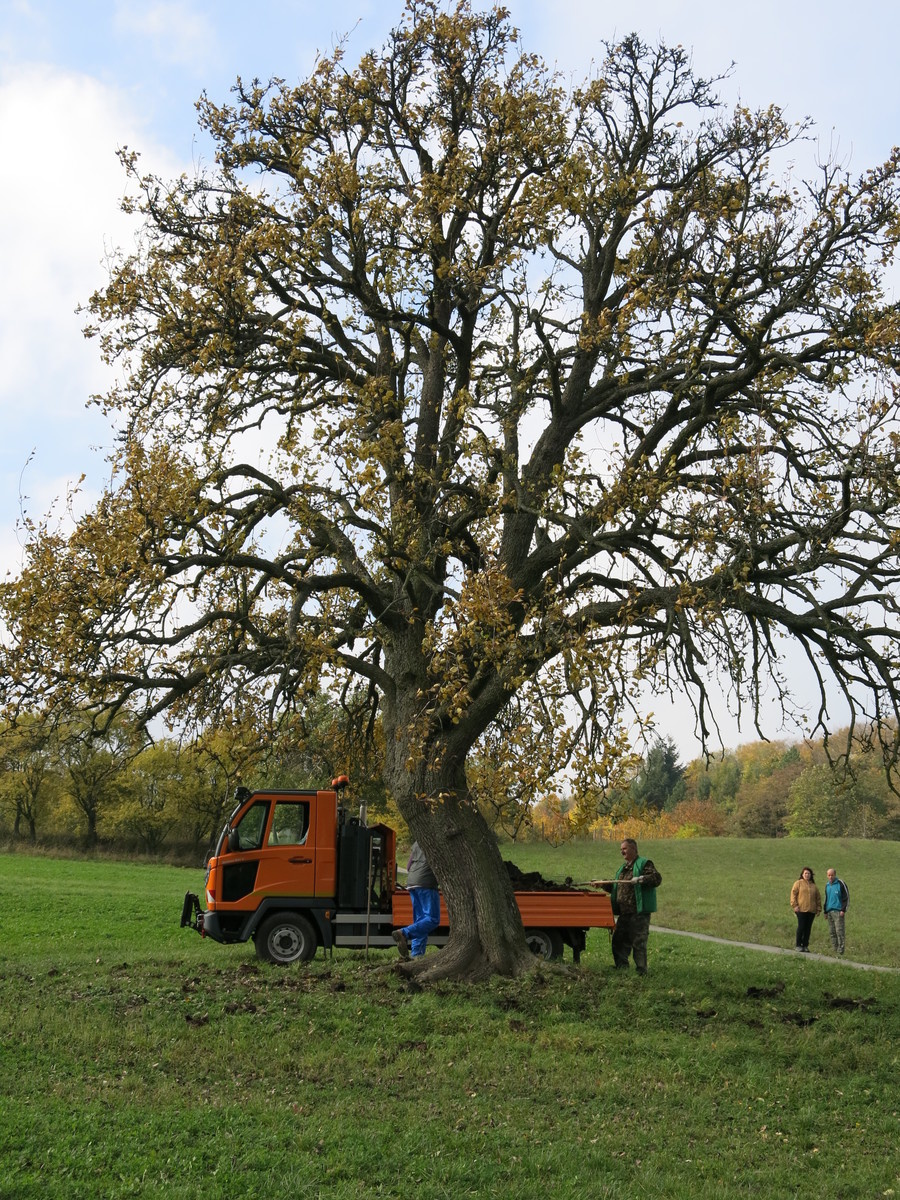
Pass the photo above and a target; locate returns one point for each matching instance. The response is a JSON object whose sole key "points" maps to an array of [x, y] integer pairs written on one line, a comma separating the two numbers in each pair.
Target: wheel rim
{"points": [[285, 943], [539, 944]]}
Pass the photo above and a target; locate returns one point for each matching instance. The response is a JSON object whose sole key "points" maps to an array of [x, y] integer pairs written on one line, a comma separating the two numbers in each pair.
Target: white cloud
{"points": [[60, 187], [178, 34]]}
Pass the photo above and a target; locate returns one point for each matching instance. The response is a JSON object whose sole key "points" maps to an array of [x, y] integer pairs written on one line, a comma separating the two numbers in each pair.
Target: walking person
{"points": [[633, 900], [806, 901], [422, 885], [837, 897]]}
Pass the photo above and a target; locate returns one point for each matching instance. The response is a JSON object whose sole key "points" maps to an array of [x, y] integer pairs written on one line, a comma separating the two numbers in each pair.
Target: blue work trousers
{"points": [[426, 906]]}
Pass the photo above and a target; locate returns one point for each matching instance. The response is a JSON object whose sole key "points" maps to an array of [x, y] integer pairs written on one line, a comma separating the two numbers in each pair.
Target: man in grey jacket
{"points": [[422, 885]]}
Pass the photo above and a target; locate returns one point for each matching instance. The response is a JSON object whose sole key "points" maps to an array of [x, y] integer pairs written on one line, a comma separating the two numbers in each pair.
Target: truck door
{"points": [[240, 862], [287, 860], [270, 851]]}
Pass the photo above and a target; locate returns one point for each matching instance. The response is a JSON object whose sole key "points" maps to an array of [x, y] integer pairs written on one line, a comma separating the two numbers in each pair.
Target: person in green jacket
{"points": [[633, 900]]}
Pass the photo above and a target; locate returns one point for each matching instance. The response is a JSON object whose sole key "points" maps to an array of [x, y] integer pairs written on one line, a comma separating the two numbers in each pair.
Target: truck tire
{"points": [[545, 943], [285, 938]]}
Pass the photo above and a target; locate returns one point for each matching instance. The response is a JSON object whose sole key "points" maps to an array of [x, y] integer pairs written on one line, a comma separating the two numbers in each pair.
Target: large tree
{"points": [[472, 387]]}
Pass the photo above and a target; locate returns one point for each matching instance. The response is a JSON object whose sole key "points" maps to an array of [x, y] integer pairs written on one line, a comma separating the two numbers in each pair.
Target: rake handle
{"points": [[604, 882]]}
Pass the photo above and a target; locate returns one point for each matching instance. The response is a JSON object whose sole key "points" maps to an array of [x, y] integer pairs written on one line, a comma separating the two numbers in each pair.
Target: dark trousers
{"points": [[630, 937], [804, 926]]}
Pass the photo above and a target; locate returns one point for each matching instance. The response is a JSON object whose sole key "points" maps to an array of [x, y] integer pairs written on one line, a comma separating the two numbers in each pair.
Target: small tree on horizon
{"points": [[471, 387]]}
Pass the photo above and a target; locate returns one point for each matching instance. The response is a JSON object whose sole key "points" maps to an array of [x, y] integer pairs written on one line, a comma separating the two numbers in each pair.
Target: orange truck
{"points": [[293, 870]]}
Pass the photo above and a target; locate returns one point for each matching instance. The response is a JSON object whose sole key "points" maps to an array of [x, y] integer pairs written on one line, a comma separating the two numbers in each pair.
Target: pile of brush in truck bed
{"points": [[533, 881]]}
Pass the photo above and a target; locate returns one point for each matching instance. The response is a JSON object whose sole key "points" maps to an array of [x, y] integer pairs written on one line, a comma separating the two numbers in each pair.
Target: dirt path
{"points": [[844, 962]]}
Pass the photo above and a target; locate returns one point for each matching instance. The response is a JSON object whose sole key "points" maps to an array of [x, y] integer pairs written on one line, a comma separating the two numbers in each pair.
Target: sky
{"points": [[80, 80]]}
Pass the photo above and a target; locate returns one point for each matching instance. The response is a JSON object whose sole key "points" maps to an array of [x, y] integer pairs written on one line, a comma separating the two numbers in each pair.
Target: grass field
{"points": [[138, 1060]]}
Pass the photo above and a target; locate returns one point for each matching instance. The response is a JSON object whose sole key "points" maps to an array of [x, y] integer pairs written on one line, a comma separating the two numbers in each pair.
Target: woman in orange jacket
{"points": [[806, 902]]}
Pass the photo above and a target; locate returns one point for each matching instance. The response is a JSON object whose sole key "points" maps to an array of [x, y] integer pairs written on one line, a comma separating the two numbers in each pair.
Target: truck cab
{"points": [[289, 870]]}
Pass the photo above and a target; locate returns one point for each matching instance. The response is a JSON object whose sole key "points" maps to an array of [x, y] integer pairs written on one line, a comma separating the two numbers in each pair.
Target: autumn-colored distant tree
{"points": [[153, 789], [818, 804], [472, 387], [222, 756], [29, 776], [93, 767], [855, 802], [716, 779], [768, 771], [699, 818], [552, 818]]}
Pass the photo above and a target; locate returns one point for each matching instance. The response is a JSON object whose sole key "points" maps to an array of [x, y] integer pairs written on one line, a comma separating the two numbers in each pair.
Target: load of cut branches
{"points": [[534, 881]]}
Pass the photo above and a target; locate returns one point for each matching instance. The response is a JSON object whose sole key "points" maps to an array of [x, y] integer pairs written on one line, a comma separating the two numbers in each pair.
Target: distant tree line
{"points": [[760, 789], [68, 786]]}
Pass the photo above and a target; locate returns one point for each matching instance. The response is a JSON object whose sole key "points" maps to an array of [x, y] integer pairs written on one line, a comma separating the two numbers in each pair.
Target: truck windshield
{"points": [[226, 830]]}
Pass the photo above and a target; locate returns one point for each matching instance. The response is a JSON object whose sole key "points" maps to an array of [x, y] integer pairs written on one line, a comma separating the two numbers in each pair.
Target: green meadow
{"points": [[137, 1059]]}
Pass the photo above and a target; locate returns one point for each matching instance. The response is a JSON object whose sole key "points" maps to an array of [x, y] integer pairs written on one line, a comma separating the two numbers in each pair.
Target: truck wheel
{"points": [[285, 938], [545, 943]]}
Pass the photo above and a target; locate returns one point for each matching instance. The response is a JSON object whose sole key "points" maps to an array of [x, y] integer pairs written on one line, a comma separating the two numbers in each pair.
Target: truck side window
{"points": [[290, 823], [248, 832]]}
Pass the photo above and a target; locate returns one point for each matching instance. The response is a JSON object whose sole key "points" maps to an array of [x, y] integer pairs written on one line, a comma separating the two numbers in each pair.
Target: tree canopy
{"points": [[450, 380]]}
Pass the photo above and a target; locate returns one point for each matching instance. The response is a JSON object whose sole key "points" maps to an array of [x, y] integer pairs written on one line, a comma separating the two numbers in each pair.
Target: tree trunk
{"points": [[91, 837], [486, 934]]}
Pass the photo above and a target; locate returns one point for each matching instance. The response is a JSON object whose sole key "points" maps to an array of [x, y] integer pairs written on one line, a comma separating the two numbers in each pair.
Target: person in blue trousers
{"points": [[422, 885]]}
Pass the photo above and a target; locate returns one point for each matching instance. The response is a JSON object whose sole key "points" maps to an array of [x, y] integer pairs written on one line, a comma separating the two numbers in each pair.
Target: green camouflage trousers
{"points": [[836, 929], [630, 937]]}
